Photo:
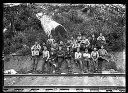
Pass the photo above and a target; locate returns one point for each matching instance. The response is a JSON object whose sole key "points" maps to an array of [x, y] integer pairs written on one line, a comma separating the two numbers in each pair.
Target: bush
{"points": [[105, 21]]}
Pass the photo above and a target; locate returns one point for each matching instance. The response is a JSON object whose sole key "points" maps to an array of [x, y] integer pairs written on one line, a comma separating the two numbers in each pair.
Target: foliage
{"points": [[25, 28]]}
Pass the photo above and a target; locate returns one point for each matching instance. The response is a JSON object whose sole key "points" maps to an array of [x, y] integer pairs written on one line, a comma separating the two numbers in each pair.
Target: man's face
{"points": [[60, 48], [94, 49], [93, 35], [67, 48], [45, 48], [36, 43], [86, 51], [100, 34], [77, 49]]}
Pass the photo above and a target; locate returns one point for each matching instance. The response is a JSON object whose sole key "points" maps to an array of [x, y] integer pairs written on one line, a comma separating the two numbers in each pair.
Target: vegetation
{"points": [[23, 28]]}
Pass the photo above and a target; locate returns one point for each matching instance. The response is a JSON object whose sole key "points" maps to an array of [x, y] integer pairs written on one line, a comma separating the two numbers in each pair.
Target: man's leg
{"points": [[69, 65], [33, 64], [96, 65], [80, 64], [43, 65], [83, 66], [36, 62], [59, 64]]}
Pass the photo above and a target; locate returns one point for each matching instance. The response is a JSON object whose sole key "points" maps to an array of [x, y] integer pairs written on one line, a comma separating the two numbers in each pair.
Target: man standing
{"points": [[52, 60], [78, 57], [93, 41], [68, 57], [101, 40], [60, 58], [85, 42], [35, 49], [95, 56], [102, 56], [86, 60], [50, 41], [45, 58]]}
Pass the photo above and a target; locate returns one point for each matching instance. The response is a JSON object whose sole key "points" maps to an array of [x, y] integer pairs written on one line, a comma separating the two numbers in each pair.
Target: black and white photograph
{"points": [[64, 47]]}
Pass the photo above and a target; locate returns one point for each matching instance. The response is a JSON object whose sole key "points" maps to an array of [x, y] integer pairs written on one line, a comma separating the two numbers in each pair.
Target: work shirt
{"points": [[50, 41], [102, 52], [77, 45], [46, 54], [60, 53], [35, 49], [54, 45], [94, 54], [78, 55], [86, 42], [93, 41], [86, 55], [68, 54], [52, 54], [102, 38]]}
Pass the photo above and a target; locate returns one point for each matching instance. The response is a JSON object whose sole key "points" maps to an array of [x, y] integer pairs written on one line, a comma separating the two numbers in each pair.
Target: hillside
{"points": [[22, 28]]}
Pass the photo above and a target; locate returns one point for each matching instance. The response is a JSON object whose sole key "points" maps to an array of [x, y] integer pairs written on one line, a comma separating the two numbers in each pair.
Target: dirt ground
{"points": [[23, 64]]}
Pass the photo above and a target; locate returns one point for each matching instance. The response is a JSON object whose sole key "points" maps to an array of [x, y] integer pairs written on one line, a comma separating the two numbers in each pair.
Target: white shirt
{"points": [[86, 55], [86, 41], [94, 54], [78, 55], [101, 38], [51, 41], [46, 54], [35, 49]]}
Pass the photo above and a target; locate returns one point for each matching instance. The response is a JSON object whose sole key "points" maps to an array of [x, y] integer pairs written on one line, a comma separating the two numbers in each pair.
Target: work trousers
{"points": [[35, 62], [60, 61], [69, 64], [95, 65], [79, 62], [44, 63], [86, 64]]}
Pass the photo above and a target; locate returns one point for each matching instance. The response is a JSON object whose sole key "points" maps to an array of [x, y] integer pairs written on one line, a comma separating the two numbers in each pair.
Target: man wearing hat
{"points": [[68, 57], [35, 49], [46, 56], [60, 58], [52, 60]]}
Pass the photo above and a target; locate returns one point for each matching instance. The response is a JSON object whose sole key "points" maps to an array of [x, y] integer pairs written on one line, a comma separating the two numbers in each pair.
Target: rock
{"points": [[11, 71]]}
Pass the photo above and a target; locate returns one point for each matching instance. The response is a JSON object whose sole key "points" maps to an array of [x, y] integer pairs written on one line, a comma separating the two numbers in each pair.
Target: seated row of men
{"points": [[70, 53]]}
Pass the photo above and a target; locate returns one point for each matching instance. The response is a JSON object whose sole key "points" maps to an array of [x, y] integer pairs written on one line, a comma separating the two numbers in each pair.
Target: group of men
{"points": [[82, 51]]}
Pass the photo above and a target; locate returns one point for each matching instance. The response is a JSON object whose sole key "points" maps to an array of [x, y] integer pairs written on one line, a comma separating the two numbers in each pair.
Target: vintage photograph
{"points": [[64, 47]]}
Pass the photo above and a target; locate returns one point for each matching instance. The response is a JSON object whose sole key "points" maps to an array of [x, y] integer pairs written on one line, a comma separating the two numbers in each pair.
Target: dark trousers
{"points": [[35, 62], [69, 65], [44, 62], [79, 62], [95, 64], [100, 61], [86, 64], [60, 61], [52, 65]]}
